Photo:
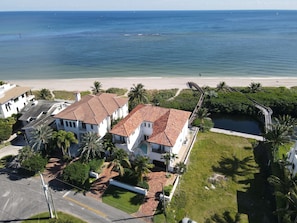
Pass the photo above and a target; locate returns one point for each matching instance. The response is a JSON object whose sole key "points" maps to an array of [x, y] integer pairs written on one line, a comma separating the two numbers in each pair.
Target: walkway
{"points": [[245, 135]]}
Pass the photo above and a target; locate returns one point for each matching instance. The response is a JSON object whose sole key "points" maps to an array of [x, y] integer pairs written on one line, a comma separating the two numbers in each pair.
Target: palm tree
{"points": [[45, 94], [255, 87], [222, 86], [180, 168], [137, 95], [40, 137], [96, 87], [64, 140], [287, 121], [276, 136], [142, 166], [168, 157], [120, 160], [91, 147]]}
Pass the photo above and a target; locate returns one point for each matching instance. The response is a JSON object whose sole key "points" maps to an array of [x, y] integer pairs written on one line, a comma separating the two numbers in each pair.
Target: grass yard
{"points": [[62, 217], [214, 153], [122, 199]]}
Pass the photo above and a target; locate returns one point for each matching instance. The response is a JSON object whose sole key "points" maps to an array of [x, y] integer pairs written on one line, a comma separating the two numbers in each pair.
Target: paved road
{"points": [[22, 198]]}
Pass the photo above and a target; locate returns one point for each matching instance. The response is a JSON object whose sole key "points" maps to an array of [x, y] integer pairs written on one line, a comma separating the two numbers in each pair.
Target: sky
{"points": [[100, 5]]}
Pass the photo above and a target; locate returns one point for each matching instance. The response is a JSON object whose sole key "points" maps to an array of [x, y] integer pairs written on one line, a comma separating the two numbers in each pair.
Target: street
{"points": [[21, 198]]}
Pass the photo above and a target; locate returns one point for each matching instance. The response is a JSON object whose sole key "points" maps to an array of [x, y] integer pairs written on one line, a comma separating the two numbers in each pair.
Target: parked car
{"points": [[188, 220]]}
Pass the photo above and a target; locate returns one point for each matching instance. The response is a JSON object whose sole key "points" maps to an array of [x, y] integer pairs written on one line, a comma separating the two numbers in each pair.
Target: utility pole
{"points": [[48, 198]]}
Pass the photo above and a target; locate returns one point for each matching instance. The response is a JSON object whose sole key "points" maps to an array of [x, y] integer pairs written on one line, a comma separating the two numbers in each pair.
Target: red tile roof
{"points": [[167, 123], [93, 109]]}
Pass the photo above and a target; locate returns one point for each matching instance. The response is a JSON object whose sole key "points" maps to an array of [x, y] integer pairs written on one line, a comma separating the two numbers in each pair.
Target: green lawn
{"points": [[122, 199], [62, 217], [214, 153]]}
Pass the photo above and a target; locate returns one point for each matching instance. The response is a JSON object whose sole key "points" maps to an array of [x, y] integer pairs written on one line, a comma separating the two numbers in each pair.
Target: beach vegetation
{"points": [[44, 94], [186, 100], [97, 87], [117, 91], [68, 95], [157, 96]]}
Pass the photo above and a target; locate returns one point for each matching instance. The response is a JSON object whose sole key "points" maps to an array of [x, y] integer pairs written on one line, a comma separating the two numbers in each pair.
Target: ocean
{"points": [[52, 45]]}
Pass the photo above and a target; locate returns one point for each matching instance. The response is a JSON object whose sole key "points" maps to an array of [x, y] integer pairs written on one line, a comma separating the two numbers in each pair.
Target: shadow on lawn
{"points": [[257, 201], [233, 166]]}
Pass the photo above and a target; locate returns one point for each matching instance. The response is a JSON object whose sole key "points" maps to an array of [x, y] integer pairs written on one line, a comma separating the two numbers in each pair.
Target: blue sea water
{"points": [[42, 45]]}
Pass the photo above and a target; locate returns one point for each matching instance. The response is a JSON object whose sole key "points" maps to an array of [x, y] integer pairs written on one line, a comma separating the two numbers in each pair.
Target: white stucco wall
{"points": [[292, 158]]}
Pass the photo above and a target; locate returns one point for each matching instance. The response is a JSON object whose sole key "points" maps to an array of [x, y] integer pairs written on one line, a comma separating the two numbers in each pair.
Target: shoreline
{"points": [[84, 84]]}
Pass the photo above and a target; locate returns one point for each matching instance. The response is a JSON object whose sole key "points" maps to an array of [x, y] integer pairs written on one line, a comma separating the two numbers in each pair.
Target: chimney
{"points": [[77, 96]]}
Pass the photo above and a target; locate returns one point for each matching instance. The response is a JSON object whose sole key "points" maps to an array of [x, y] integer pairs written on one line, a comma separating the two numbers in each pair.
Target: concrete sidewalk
{"points": [[9, 150], [244, 135]]}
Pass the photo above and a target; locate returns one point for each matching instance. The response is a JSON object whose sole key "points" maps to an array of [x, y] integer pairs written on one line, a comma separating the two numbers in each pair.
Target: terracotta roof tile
{"points": [[167, 123], [93, 109]]}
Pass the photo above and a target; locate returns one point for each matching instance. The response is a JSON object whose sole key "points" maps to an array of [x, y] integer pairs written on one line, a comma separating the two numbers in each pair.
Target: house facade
{"points": [[152, 131], [292, 159], [92, 113], [13, 99]]}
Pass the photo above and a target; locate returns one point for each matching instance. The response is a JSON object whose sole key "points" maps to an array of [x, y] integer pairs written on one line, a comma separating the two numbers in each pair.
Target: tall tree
{"points": [[137, 95], [40, 137], [96, 87], [91, 147], [276, 136], [64, 140], [180, 168], [120, 160], [286, 121], [168, 157], [142, 166]]}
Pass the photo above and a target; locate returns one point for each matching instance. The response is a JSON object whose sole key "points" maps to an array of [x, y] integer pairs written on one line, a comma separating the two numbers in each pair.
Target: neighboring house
{"points": [[152, 131], [13, 99], [92, 113], [292, 159], [40, 113]]}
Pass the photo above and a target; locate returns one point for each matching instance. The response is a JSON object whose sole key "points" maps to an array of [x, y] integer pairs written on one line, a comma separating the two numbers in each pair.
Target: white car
{"points": [[188, 220]]}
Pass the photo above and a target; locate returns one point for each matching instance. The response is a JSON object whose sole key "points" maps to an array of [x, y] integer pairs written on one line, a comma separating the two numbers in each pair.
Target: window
{"points": [[149, 125], [16, 99], [83, 125], [91, 126], [61, 122], [146, 137], [144, 124], [67, 123], [70, 123]]}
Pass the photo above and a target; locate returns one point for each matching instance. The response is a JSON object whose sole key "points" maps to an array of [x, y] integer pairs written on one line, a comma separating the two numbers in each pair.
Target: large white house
{"points": [[152, 131], [13, 99], [292, 159], [92, 113]]}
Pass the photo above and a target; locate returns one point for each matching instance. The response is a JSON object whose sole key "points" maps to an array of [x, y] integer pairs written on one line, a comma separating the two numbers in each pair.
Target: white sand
{"points": [[151, 82]]}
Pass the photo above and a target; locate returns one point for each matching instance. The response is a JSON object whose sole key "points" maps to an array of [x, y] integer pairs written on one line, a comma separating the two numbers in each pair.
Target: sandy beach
{"points": [[151, 82]]}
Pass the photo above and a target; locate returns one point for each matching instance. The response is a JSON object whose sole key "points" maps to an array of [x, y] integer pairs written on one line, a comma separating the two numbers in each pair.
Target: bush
{"points": [[117, 91], [129, 177], [167, 190], [76, 173], [95, 164], [34, 164], [204, 125], [143, 185]]}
